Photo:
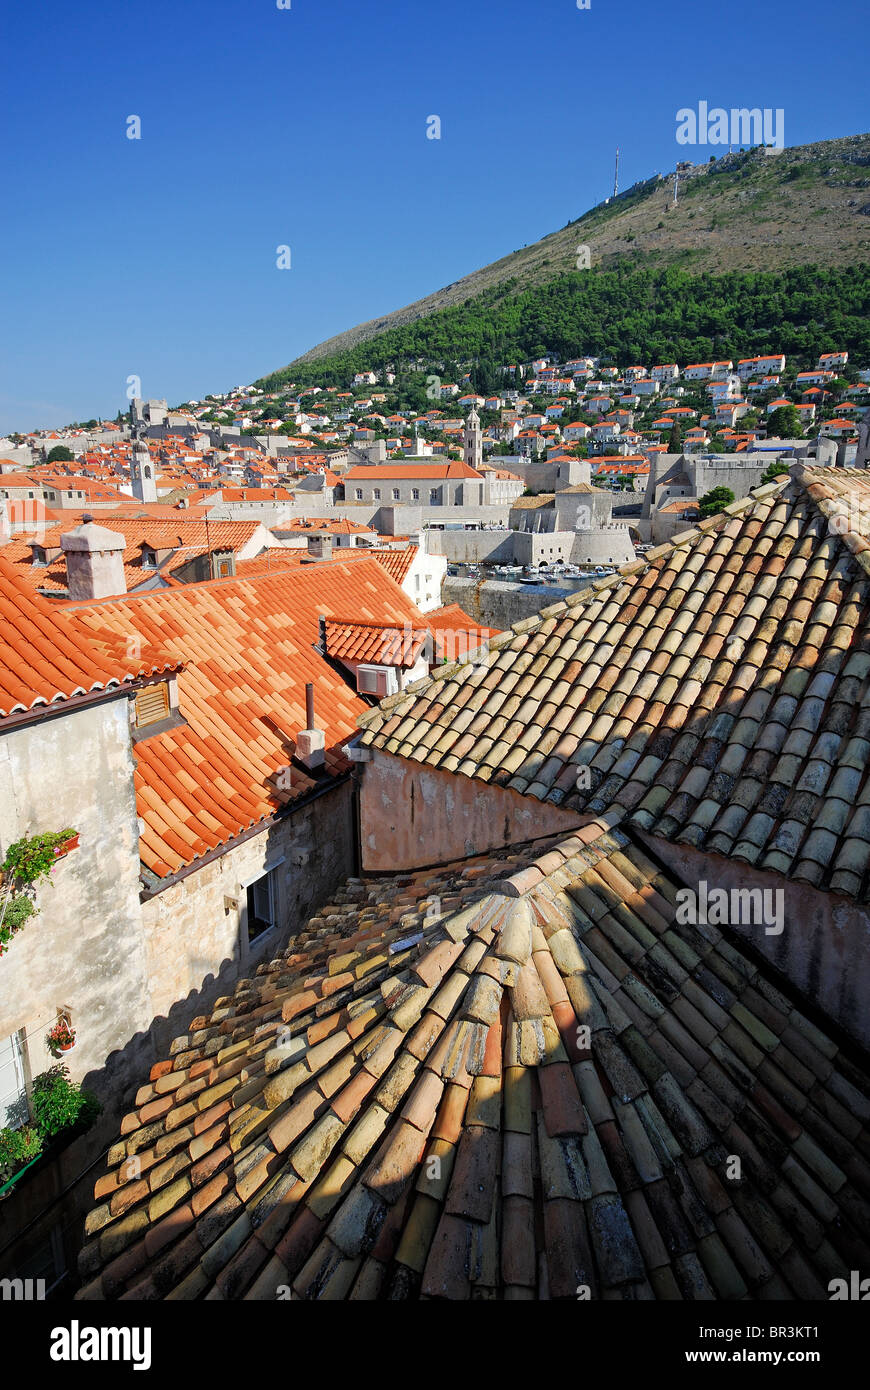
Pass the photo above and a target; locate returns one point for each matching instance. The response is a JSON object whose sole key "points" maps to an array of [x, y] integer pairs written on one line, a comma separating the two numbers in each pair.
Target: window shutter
{"points": [[13, 1092], [152, 704]]}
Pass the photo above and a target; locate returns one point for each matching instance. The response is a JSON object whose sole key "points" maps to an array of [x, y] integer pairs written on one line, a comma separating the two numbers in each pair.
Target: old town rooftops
{"points": [[250, 648], [45, 660], [505, 1078], [715, 692]]}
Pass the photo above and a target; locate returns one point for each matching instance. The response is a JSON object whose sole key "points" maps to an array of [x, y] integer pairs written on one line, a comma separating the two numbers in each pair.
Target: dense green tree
{"points": [[773, 471], [628, 314], [784, 423], [714, 501], [60, 454]]}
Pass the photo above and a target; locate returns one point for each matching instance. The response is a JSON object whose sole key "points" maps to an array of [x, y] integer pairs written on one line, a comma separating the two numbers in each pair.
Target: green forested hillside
{"points": [[627, 314], [715, 270]]}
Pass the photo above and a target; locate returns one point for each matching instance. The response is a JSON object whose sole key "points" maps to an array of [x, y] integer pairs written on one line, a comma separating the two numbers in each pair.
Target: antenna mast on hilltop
{"points": [[616, 174]]}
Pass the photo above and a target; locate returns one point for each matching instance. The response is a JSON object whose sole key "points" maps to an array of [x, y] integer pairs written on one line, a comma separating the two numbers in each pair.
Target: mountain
{"points": [[743, 214]]}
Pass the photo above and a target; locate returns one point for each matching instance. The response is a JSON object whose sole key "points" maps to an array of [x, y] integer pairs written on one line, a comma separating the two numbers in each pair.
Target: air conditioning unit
{"points": [[379, 681]]}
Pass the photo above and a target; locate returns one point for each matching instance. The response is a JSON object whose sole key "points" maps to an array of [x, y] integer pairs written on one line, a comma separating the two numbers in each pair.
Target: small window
{"points": [[261, 906], [376, 493], [152, 704], [358, 494], [396, 494], [415, 494], [433, 494]]}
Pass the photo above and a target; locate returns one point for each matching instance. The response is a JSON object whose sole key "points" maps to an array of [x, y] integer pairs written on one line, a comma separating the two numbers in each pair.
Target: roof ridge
{"points": [[582, 596]]}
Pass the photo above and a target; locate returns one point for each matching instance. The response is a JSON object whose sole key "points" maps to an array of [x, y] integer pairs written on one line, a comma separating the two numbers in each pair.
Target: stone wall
{"points": [[824, 947], [84, 951], [412, 815], [473, 547], [195, 932], [499, 604], [665, 525]]}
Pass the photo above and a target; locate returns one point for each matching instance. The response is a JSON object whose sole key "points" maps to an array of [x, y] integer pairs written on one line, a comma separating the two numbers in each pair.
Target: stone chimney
{"points": [[94, 561], [223, 564], [319, 547]]}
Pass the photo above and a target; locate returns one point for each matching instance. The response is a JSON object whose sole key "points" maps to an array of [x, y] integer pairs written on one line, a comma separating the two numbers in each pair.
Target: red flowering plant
{"points": [[61, 1037]]}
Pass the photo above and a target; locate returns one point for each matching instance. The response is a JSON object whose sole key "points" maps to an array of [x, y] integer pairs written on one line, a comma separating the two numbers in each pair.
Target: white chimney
{"points": [[94, 561]]}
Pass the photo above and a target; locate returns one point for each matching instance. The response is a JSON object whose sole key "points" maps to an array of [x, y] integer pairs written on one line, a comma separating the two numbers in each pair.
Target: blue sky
{"points": [[307, 127]]}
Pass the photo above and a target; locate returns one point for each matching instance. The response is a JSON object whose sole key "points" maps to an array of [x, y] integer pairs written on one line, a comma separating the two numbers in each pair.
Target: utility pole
{"points": [[616, 174], [676, 184]]}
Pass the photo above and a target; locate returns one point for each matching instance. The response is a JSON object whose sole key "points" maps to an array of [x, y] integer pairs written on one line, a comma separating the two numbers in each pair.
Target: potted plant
{"points": [[18, 1148], [32, 858], [60, 1038], [70, 843], [26, 862]]}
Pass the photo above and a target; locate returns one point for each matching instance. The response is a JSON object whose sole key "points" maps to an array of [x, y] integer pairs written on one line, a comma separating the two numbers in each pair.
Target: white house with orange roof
{"points": [[838, 428]]}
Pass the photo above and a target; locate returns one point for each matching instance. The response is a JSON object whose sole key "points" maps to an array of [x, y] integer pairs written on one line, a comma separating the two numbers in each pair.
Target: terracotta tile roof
{"points": [[385, 644], [395, 562], [689, 505], [502, 1079], [45, 660], [455, 634], [186, 539], [717, 690], [250, 649], [91, 487], [19, 480], [543, 499], [256, 494], [270, 561], [340, 526]]}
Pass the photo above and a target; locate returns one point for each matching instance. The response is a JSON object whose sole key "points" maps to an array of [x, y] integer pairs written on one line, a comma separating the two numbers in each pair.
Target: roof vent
{"points": [[311, 742]]}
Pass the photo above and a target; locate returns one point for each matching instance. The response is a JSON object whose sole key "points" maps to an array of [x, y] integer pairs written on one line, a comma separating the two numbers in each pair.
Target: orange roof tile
{"points": [[45, 660], [388, 645], [251, 648]]}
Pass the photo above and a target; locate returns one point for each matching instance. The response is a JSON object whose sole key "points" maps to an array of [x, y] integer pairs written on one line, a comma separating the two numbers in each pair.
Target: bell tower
{"points": [[142, 473], [472, 440]]}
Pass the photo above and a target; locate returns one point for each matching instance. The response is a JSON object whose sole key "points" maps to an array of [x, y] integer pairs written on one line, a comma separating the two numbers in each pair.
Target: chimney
{"points": [[222, 564], [319, 547], [311, 743], [94, 561]]}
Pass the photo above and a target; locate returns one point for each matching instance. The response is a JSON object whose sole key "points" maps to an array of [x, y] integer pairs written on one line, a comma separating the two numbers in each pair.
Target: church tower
{"points": [[142, 473], [472, 440]]}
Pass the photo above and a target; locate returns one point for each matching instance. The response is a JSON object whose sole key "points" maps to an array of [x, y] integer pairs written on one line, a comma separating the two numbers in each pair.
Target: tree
{"points": [[675, 440], [715, 501], [784, 423], [773, 471], [61, 454]]}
